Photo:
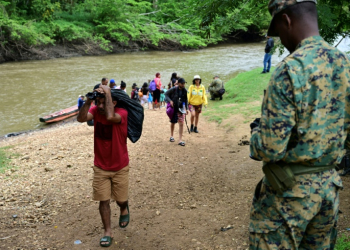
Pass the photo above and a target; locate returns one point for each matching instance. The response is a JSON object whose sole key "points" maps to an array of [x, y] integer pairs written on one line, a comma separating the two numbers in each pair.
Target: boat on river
{"points": [[60, 115]]}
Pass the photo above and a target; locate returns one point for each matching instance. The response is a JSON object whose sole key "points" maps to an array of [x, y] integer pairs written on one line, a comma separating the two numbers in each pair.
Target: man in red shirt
{"points": [[111, 170]]}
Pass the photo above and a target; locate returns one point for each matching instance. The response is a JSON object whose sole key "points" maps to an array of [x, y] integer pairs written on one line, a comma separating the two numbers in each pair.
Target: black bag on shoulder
{"points": [[135, 113]]}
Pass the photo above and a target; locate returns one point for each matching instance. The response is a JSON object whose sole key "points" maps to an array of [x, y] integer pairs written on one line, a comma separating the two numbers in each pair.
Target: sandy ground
{"points": [[180, 197]]}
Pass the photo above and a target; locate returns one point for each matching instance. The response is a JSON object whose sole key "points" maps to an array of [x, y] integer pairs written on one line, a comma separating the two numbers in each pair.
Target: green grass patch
{"points": [[5, 159], [343, 243], [243, 96]]}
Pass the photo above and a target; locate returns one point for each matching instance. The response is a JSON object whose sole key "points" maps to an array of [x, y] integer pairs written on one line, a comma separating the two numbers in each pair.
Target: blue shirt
{"points": [[80, 103]]}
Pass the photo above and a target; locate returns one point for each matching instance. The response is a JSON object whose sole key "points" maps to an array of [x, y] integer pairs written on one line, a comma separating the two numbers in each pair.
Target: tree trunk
{"points": [[155, 4]]}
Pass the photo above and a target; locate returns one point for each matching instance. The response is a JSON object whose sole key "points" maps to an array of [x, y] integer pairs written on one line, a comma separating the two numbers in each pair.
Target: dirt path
{"points": [[180, 197]]}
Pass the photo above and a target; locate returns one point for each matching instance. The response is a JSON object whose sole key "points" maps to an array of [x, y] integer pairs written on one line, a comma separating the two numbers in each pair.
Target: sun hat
{"points": [[276, 6], [195, 78]]}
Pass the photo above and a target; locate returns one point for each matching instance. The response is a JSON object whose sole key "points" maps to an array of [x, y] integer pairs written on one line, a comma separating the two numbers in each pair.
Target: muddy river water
{"points": [[33, 89]]}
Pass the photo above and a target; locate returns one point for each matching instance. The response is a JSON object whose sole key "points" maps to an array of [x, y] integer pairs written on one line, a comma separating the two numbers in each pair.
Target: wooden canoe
{"points": [[60, 115]]}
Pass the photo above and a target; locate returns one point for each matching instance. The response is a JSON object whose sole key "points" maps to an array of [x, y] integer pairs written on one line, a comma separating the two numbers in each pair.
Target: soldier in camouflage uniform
{"points": [[214, 88], [305, 123]]}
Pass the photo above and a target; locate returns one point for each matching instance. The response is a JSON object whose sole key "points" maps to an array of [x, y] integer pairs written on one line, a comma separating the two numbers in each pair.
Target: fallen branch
{"points": [[149, 13]]}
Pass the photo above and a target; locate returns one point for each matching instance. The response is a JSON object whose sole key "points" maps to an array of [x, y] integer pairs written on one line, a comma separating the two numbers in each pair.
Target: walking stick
{"points": [[188, 129]]}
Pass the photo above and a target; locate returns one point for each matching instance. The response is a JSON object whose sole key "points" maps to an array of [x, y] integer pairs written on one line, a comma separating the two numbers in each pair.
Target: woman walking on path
{"points": [[177, 97], [144, 94], [156, 93], [196, 99]]}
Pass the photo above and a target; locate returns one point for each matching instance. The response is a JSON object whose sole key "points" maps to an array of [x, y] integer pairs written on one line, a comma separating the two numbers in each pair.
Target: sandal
{"points": [[172, 139], [124, 218], [108, 239], [181, 143]]}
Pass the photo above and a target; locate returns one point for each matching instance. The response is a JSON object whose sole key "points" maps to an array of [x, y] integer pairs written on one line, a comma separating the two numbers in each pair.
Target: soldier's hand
{"points": [[254, 124]]}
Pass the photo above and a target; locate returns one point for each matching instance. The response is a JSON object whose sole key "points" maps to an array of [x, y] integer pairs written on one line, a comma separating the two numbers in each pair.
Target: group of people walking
{"points": [[182, 101]]}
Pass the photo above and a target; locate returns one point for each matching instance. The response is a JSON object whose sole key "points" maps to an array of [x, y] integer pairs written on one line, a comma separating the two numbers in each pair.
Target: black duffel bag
{"points": [[135, 113]]}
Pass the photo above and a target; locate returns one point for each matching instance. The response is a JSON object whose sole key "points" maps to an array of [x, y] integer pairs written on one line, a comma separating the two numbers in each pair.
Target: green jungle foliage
{"points": [[223, 15], [149, 23]]}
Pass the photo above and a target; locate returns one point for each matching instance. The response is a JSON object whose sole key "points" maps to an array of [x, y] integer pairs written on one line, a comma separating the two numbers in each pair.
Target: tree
{"points": [[334, 16]]}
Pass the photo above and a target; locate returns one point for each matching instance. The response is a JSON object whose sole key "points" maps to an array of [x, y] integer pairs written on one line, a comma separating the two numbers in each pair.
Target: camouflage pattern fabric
{"points": [[214, 88], [306, 110], [305, 120], [216, 85], [276, 6], [304, 217]]}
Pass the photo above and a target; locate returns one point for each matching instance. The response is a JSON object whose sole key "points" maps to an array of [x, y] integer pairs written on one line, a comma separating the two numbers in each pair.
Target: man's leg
{"points": [[105, 212], [321, 232], [280, 222], [102, 192], [212, 96], [120, 193], [269, 63], [123, 209], [265, 62]]}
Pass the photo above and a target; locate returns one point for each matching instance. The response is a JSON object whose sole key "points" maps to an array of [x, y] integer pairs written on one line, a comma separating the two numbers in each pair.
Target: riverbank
{"points": [[88, 48], [180, 197]]}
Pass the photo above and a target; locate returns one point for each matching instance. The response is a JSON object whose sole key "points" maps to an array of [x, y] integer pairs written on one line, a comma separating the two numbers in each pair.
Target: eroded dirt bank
{"points": [[21, 52]]}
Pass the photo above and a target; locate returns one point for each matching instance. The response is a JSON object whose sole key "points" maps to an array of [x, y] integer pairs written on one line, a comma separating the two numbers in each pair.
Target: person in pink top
{"points": [[111, 163], [156, 93]]}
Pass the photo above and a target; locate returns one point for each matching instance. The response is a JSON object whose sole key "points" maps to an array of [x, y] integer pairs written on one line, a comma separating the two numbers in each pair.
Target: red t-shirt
{"points": [[110, 139]]}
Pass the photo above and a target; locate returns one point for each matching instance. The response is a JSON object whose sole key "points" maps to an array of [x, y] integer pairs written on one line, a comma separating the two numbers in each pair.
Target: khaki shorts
{"points": [[110, 184]]}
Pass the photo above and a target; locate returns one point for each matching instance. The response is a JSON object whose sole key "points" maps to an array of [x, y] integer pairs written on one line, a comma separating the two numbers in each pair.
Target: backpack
{"points": [[152, 86], [136, 95]]}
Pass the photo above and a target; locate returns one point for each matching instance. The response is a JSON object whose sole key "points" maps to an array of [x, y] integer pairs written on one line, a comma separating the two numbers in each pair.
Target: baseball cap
{"points": [[196, 77], [276, 6], [181, 80], [112, 81]]}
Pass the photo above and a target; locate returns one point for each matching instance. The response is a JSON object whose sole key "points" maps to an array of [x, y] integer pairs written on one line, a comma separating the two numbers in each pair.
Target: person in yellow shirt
{"points": [[197, 97]]}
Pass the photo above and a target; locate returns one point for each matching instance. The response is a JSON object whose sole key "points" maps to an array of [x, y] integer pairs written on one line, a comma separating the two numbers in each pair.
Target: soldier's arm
{"points": [[269, 141]]}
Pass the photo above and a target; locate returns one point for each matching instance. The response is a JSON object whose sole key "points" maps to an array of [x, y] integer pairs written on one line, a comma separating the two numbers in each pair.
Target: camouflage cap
{"points": [[276, 6]]}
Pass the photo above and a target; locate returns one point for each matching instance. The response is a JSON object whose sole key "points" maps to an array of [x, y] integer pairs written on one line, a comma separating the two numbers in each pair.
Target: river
{"points": [[33, 89]]}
